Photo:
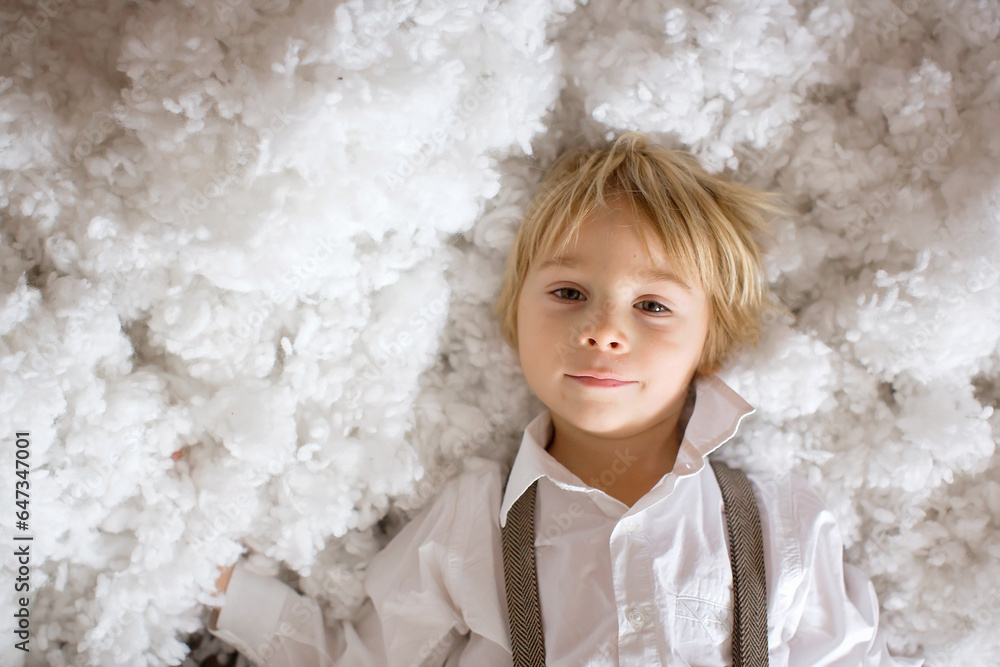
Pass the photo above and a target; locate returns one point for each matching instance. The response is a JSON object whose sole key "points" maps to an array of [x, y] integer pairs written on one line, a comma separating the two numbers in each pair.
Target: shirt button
{"points": [[636, 618]]}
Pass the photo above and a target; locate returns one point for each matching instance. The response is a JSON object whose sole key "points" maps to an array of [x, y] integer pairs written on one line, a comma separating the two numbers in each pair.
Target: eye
{"points": [[565, 289], [663, 309], [657, 308]]}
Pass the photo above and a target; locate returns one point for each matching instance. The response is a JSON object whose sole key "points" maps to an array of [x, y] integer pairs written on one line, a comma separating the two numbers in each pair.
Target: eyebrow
{"points": [[653, 275]]}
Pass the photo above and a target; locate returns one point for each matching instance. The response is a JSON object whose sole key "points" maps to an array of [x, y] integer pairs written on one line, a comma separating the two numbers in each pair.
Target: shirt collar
{"points": [[718, 411]]}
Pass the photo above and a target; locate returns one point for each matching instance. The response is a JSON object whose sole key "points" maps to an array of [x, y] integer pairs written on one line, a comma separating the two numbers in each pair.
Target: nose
{"points": [[600, 328]]}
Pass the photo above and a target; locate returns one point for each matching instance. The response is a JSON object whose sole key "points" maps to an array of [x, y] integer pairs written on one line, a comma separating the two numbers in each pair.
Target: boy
{"points": [[620, 338]]}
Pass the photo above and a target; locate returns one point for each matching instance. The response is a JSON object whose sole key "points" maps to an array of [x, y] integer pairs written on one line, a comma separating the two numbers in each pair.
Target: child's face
{"points": [[601, 315]]}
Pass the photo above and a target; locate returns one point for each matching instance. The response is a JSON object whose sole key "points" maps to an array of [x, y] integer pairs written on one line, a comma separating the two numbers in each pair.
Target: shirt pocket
{"points": [[703, 627]]}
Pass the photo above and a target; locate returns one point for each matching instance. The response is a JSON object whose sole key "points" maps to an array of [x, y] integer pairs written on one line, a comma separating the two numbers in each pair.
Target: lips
{"points": [[599, 382], [600, 375]]}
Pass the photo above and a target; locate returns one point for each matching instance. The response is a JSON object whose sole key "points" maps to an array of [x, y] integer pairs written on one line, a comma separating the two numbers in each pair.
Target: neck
{"points": [[625, 468]]}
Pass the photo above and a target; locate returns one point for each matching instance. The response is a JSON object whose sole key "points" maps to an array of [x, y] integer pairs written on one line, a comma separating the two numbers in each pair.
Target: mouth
{"points": [[599, 382]]}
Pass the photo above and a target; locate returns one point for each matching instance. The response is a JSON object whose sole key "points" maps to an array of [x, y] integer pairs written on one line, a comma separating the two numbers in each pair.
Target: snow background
{"points": [[250, 251]]}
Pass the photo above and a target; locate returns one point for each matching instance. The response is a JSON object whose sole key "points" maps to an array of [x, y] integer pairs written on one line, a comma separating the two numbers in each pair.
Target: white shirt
{"points": [[644, 585]]}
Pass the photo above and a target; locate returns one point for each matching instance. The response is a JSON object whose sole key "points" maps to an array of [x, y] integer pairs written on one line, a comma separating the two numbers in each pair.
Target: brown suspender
{"points": [[746, 555], [520, 575]]}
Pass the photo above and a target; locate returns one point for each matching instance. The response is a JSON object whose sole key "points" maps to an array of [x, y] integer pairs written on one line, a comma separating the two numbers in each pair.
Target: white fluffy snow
{"points": [[250, 251]]}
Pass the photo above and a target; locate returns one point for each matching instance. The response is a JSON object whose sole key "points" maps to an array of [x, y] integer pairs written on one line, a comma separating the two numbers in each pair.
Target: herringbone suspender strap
{"points": [[521, 577], [746, 552]]}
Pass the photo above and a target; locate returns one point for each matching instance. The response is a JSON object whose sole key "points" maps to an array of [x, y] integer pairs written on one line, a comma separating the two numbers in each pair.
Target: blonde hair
{"points": [[709, 226]]}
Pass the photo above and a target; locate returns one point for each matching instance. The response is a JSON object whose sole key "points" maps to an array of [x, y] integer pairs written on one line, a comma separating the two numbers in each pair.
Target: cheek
{"points": [[525, 333], [522, 326], [534, 338], [527, 338]]}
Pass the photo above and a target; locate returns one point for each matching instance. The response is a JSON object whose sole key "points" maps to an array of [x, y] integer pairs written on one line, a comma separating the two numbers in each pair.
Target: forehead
{"points": [[654, 266], [598, 229], [614, 230], [645, 273]]}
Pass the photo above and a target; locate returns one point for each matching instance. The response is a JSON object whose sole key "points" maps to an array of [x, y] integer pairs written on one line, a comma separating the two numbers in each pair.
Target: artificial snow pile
{"points": [[250, 251]]}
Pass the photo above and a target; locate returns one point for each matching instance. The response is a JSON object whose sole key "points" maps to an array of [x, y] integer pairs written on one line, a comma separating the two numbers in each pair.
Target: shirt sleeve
{"points": [[273, 626], [833, 619], [411, 617]]}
